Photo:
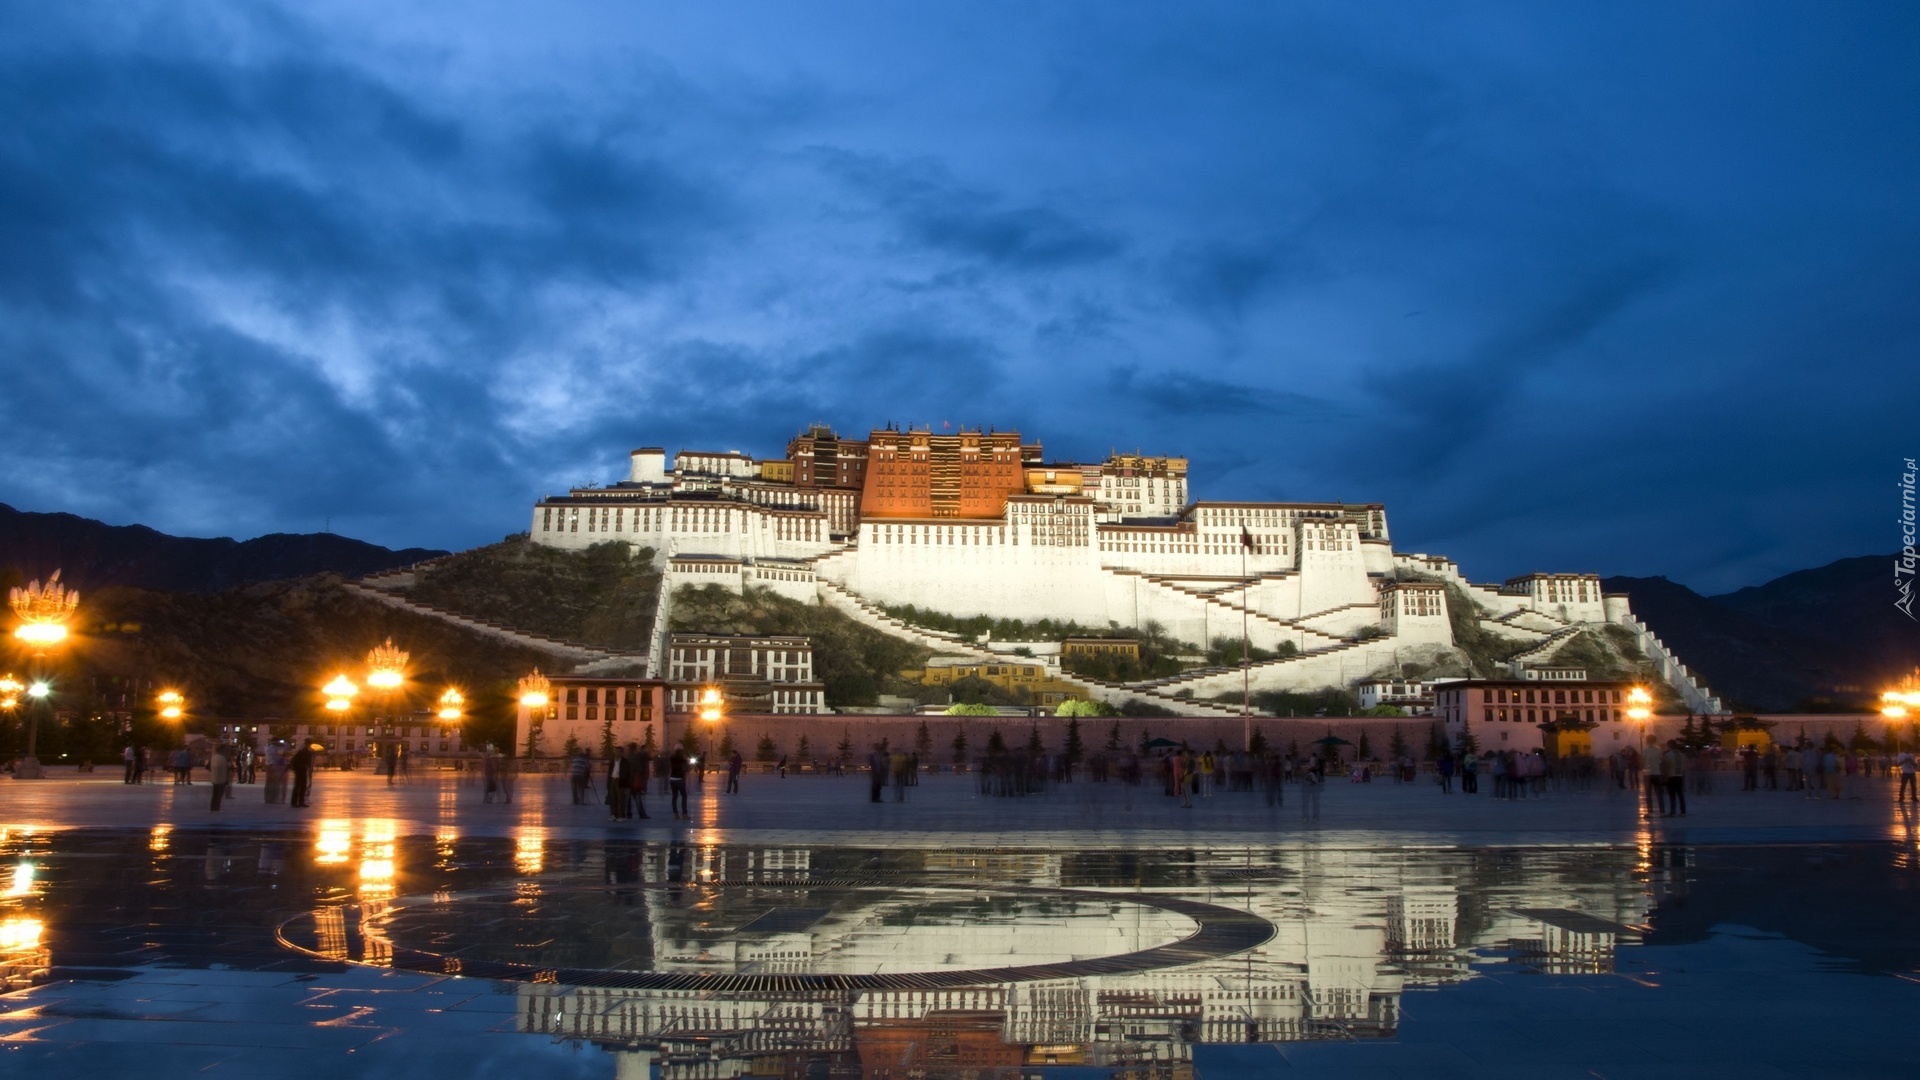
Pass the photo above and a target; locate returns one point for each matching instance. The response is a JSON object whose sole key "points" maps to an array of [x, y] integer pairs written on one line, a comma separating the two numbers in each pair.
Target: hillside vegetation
{"points": [[260, 653], [602, 596], [857, 663]]}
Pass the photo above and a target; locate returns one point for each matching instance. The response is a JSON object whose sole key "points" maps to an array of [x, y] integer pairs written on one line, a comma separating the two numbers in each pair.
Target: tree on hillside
{"points": [[972, 708]]}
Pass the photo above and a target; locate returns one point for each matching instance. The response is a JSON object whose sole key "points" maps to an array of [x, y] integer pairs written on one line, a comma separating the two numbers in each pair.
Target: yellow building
{"points": [[1100, 646], [777, 472], [1014, 675]]}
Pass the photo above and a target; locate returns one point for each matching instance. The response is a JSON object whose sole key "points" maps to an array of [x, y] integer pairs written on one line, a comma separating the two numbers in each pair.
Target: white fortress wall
{"points": [[978, 567]]}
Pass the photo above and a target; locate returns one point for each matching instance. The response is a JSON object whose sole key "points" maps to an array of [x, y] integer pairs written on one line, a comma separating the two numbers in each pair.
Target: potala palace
{"points": [[979, 523]]}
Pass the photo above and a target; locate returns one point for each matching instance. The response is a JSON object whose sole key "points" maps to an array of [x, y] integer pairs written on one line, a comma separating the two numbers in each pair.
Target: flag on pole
{"points": [[1246, 538]]}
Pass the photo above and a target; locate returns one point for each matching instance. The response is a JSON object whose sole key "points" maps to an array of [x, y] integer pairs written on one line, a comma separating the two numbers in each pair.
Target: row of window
{"points": [[1535, 716], [1493, 695], [643, 714]]}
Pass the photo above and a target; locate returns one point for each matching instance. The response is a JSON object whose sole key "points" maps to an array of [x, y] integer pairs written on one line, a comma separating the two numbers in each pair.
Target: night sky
{"points": [[1621, 288]]}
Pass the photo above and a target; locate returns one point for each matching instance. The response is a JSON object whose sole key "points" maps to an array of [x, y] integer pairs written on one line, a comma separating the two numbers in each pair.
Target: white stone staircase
{"points": [[869, 614], [586, 658]]}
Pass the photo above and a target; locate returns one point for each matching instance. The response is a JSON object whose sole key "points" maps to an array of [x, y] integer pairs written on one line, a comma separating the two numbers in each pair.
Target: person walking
{"points": [[1673, 764], [579, 771], [390, 760], [1904, 765], [489, 776], [1313, 779], [876, 774], [677, 784], [734, 762], [619, 764], [638, 764], [130, 758], [509, 768], [1656, 781], [301, 766], [1446, 774], [219, 773]]}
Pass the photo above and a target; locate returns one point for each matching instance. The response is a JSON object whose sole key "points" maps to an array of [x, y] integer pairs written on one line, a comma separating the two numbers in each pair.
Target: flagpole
{"points": [[1246, 644]]}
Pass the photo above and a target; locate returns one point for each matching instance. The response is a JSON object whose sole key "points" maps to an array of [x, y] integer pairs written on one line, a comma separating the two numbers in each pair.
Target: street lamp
{"points": [[451, 703], [535, 695], [44, 611], [172, 705], [1639, 704], [1899, 703], [712, 707], [386, 672]]}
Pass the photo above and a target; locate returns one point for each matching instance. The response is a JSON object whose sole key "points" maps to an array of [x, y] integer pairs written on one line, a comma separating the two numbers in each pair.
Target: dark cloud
{"points": [[1623, 289]]}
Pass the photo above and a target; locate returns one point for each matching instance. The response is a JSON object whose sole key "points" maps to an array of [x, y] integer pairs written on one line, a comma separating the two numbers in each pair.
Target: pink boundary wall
{"points": [[824, 732]]}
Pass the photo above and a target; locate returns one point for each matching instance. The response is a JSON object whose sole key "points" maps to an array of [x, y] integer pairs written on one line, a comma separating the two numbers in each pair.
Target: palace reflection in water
{"points": [[720, 960], [714, 959]]}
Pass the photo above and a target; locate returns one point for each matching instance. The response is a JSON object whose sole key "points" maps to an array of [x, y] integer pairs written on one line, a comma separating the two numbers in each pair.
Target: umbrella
{"points": [[1332, 740], [1162, 744]]}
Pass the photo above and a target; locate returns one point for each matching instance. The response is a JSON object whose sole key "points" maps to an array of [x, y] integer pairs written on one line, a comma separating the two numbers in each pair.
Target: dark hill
{"points": [[92, 555], [1820, 639]]}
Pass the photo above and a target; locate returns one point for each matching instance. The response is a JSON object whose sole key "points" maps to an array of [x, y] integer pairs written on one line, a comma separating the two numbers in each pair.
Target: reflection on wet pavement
{"points": [[715, 959]]}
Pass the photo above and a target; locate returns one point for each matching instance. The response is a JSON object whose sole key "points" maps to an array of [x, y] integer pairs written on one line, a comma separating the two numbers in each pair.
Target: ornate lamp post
{"points": [[1903, 700], [535, 696], [452, 708], [712, 707], [172, 705], [44, 611], [386, 673]]}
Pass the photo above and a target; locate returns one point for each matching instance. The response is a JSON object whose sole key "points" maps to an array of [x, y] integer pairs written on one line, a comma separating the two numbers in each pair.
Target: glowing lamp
{"points": [[338, 704], [340, 687], [450, 703], [172, 704], [386, 667], [710, 702], [39, 690], [535, 690], [41, 635]]}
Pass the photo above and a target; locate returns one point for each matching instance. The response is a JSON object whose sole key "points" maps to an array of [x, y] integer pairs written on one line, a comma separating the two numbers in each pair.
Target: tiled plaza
{"points": [[799, 929]]}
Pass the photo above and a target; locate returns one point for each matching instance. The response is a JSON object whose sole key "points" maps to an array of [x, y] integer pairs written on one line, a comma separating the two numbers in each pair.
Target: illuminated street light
{"points": [[1899, 702], [450, 705], [172, 705], [1639, 704], [386, 667], [340, 694], [44, 611], [534, 690], [10, 688]]}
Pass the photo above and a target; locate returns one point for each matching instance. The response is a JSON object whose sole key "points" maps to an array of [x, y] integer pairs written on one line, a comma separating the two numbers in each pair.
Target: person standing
{"points": [[638, 766], [1446, 774], [619, 764], [219, 772], [1904, 765], [390, 760], [876, 774], [489, 775], [275, 788], [1655, 779], [579, 771], [677, 784], [302, 768], [129, 757], [734, 762], [1673, 764]]}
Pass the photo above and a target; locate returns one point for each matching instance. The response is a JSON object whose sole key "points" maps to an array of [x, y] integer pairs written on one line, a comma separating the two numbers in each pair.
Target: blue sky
{"points": [[1622, 288]]}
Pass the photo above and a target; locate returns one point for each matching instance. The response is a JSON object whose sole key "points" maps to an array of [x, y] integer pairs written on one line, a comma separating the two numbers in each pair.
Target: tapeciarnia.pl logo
{"points": [[1903, 565]]}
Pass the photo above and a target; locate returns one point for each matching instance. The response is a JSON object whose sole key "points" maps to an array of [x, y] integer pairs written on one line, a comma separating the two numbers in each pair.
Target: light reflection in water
{"points": [[22, 883], [159, 838], [333, 842], [529, 850]]}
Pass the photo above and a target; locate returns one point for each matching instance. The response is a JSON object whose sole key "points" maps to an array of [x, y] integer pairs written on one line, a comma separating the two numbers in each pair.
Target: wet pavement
{"points": [[799, 930]]}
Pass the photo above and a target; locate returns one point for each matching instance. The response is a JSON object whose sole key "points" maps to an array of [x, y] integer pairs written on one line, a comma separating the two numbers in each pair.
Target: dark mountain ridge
{"points": [[93, 555], [1816, 640]]}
